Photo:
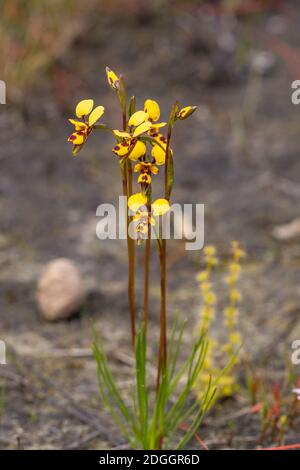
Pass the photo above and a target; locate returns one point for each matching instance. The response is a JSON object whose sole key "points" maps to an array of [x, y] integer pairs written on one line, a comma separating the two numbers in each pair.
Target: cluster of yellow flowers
{"points": [[140, 141], [208, 295], [226, 384], [231, 312]]}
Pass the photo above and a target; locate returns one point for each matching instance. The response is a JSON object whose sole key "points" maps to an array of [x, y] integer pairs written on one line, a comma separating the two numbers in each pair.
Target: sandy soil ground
{"points": [[239, 156]]}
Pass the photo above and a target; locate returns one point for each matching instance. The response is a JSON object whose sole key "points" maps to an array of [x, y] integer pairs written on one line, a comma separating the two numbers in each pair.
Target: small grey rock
{"points": [[60, 290]]}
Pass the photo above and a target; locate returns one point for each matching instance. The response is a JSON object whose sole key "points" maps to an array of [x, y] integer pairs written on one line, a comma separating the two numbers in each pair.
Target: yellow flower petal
{"points": [[79, 125], [121, 134], [157, 126], [137, 168], [137, 118], [151, 107], [136, 201], [77, 138], [158, 154], [95, 115], [122, 149], [144, 178], [160, 207], [159, 138], [84, 108], [138, 151], [144, 127], [113, 79]]}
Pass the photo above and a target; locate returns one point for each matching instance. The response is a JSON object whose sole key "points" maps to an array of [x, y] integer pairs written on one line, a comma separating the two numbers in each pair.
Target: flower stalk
{"points": [[147, 266], [143, 149], [162, 355], [127, 191]]}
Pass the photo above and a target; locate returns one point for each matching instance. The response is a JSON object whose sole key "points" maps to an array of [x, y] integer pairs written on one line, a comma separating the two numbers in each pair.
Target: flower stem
{"points": [[131, 261], [127, 191], [162, 355], [147, 268]]}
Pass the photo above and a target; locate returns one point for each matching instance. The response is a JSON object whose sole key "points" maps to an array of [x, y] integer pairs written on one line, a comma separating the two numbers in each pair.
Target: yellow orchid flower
{"points": [[142, 227], [185, 112], [141, 122], [145, 218], [145, 169], [113, 79], [89, 116], [130, 145]]}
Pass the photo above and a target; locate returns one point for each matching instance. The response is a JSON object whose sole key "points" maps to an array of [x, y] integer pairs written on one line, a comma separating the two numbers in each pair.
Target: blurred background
{"points": [[238, 155]]}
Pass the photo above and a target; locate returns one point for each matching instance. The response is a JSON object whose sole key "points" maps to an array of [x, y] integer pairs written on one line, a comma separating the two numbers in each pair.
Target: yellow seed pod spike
{"points": [[210, 250]]}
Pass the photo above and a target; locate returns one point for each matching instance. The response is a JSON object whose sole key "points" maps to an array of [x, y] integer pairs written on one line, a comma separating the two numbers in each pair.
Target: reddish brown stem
{"points": [[131, 260], [162, 355], [127, 191], [130, 263], [147, 269]]}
